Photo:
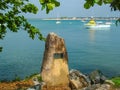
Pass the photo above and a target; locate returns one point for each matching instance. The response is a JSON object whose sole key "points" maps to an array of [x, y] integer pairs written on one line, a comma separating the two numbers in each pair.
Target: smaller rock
{"points": [[77, 80], [105, 87], [35, 81], [109, 82], [97, 77], [92, 87], [99, 87]]}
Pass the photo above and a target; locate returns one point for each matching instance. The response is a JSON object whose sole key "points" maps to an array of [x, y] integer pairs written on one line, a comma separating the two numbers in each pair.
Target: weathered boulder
{"points": [[78, 80], [97, 77], [100, 87], [105, 87], [54, 70]]}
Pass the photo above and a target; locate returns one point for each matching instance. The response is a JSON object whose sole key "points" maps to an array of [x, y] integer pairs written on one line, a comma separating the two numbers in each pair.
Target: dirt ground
{"points": [[18, 85]]}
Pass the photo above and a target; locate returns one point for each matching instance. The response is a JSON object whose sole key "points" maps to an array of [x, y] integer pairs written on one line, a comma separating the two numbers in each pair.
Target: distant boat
{"points": [[108, 23], [58, 19], [92, 24], [58, 22]]}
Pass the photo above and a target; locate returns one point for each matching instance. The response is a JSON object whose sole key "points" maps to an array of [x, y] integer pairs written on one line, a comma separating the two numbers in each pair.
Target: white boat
{"points": [[58, 19], [58, 22], [93, 25], [108, 23], [97, 26]]}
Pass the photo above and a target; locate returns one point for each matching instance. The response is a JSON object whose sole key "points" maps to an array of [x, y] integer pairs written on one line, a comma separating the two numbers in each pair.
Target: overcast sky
{"points": [[74, 8]]}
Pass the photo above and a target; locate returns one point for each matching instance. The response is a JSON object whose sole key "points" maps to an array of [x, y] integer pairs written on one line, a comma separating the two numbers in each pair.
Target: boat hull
{"points": [[97, 26], [58, 22]]}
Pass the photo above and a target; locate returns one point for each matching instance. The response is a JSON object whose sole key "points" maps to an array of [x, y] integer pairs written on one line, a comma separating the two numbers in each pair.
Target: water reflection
{"points": [[92, 33]]}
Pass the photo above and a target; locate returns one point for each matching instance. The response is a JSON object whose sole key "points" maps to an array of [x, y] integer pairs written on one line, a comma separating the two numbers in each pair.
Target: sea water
{"points": [[87, 49]]}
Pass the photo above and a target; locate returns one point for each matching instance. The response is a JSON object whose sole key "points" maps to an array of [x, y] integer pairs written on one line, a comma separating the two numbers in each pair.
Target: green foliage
{"points": [[29, 8], [115, 5], [49, 5], [116, 80], [11, 18], [39, 78], [91, 3]]}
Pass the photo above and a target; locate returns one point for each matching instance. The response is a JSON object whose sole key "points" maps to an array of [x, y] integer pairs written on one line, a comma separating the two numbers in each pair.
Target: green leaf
{"points": [[30, 8], [47, 10], [43, 7], [100, 2], [87, 5], [50, 6], [110, 1], [49, 1], [57, 4], [42, 1], [96, 1]]}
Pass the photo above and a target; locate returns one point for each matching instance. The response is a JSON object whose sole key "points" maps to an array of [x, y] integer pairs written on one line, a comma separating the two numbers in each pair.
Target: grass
{"points": [[116, 80], [39, 78]]}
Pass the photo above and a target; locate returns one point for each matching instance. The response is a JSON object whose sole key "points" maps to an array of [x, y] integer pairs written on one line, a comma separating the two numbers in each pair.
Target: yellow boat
{"points": [[93, 25]]}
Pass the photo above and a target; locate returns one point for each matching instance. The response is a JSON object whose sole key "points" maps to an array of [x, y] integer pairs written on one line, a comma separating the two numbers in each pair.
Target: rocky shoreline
{"points": [[78, 81]]}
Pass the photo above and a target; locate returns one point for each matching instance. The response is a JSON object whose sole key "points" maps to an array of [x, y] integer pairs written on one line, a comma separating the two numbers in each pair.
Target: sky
{"points": [[74, 8]]}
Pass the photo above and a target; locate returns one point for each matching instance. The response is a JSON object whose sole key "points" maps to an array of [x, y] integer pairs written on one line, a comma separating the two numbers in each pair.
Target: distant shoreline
{"points": [[78, 18]]}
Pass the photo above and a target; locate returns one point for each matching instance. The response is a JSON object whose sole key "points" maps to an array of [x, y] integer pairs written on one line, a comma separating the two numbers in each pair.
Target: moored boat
{"points": [[92, 24], [58, 22]]}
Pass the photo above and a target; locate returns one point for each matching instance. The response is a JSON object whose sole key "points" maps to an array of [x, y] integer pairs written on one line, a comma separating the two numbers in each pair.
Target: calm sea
{"points": [[87, 49]]}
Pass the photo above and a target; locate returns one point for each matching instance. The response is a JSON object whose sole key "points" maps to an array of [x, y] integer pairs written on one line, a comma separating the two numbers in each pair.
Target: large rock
{"points": [[78, 80], [54, 70]]}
